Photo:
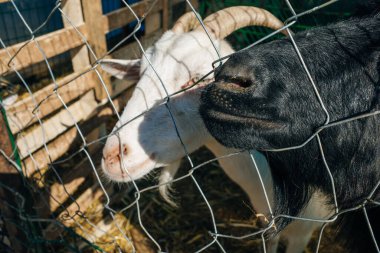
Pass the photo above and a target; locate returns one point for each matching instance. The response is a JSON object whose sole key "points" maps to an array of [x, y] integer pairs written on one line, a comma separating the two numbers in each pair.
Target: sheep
{"points": [[180, 57], [263, 99]]}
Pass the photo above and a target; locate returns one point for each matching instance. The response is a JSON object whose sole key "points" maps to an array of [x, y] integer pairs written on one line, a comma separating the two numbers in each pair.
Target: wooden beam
{"points": [[73, 10], [194, 3], [80, 173], [75, 179], [123, 16], [165, 15], [64, 141], [53, 44], [34, 139], [72, 182], [132, 50], [80, 57], [20, 114], [56, 148], [153, 22], [93, 13], [102, 230]]}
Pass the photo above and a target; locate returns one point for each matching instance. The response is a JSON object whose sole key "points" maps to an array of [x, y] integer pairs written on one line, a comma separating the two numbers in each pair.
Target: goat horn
{"points": [[226, 21], [186, 23]]}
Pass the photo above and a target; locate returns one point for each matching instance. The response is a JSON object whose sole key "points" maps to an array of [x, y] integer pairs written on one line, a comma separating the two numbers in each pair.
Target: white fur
{"points": [[151, 140]]}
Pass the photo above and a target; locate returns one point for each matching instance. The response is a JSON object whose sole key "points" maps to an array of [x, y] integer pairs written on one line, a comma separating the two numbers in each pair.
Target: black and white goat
{"points": [[181, 55], [263, 99]]}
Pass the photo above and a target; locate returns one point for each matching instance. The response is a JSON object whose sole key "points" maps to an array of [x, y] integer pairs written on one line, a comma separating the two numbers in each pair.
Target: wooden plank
{"points": [[73, 10], [123, 16], [165, 15], [4, 1], [20, 114], [53, 44], [80, 56], [194, 3], [93, 13], [72, 181], [102, 230], [59, 192], [104, 113], [34, 139], [64, 141], [57, 148], [132, 50], [153, 22]]}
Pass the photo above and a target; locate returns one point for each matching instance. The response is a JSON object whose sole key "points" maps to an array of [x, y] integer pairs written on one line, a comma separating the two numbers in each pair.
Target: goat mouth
{"points": [[236, 83], [128, 174], [223, 116]]}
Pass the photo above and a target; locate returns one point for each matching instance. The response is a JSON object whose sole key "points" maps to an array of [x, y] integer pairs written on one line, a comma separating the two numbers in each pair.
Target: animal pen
{"points": [[59, 106]]}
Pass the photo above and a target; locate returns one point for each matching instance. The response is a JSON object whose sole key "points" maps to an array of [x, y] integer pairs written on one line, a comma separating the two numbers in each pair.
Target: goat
{"points": [[262, 99], [150, 141]]}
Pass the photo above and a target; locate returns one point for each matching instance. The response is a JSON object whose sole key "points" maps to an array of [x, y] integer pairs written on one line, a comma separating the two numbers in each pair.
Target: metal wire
{"points": [[135, 205]]}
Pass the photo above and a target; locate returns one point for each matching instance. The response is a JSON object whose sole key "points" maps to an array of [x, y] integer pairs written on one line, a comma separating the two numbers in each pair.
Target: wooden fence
{"points": [[83, 93]]}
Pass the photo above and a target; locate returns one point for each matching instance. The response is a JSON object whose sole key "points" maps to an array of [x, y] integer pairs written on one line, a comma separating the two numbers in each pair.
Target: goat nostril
{"points": [[125, 149], [235, 81], [112, 159], [245, 83]]}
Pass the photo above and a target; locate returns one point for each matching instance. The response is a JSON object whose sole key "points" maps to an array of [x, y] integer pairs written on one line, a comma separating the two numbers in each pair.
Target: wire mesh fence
{"points": [[62, 202]]}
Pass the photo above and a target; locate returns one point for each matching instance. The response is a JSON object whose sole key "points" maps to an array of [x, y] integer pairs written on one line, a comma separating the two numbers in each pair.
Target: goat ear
{"points": [[122, 69]]}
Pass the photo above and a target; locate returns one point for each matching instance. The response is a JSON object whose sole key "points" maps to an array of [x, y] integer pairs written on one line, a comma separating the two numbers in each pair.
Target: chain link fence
{"points": [[54, 196]]}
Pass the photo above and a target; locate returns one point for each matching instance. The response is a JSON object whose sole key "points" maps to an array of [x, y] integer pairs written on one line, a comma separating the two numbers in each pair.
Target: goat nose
{"points": [[114, 154]]}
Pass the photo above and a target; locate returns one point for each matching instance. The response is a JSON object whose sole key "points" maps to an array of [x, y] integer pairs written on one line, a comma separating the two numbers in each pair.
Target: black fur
{"points": [[263, 99]]}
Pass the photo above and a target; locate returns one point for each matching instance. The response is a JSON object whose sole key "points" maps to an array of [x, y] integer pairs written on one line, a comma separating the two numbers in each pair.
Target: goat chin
{"points": [[167, 175]]}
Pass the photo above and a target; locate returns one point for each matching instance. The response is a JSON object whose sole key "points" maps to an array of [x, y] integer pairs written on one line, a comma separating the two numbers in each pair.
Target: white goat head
{"points": [[179, 57]]}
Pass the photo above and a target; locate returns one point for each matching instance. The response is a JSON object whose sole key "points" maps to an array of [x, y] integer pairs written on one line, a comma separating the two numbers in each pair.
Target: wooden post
{"points": [[73, 10], [10, 177], [80, 56], [152, 22], [93, 13], [165, 15]]}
